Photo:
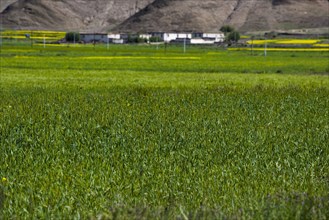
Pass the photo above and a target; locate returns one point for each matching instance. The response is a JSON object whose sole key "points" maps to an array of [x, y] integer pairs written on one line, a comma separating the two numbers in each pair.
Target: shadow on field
{"points": [[294, 206], [2, 199], [299, 206]]}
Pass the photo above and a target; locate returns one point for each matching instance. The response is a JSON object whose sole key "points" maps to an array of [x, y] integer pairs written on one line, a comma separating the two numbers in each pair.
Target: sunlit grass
{"points": [[141, 57], [244, 37]]}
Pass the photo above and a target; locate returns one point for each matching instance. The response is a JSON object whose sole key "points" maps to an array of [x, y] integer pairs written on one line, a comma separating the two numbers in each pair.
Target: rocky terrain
{"points": [[5, 3], [164, 15], [79, 15], [245, 15]]}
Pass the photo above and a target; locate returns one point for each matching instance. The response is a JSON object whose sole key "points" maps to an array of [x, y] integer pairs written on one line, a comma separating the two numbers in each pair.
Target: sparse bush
{"points": [[271, 35], [155, 39], [141, 40], [136, 39]]}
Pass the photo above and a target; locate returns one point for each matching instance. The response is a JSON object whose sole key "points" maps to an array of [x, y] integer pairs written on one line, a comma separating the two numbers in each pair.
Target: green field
{"points": [[148, 132]]}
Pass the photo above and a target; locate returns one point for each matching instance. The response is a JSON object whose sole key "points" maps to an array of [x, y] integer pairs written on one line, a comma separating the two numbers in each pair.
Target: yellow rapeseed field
{"points": [[284, 49], [320, 45], [36, 35], [284, 41]]}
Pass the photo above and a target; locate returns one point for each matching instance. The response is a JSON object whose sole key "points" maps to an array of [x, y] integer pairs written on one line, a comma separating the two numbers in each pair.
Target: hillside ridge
{"points": [[163, 15]]}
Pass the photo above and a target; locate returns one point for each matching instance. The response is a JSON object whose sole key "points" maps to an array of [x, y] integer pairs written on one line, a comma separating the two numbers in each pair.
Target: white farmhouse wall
{"points": [[113, 36], [184, 35], [201, 41], [117, 41], [167, 37], [218, 37], [145, 36]]}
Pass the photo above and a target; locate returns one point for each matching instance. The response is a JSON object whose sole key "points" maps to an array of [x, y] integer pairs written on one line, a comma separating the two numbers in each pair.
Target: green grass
{"points": [[136, 132], [171, 59]]}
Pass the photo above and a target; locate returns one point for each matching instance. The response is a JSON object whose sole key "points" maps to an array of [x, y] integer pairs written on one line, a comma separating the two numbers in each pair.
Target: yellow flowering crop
{"points": [[37, 35], [284, 49], [283, 41], [33, 37], [320, 45]]}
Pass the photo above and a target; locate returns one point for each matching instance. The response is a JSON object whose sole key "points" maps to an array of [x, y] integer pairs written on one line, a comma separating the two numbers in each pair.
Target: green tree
{"points": [[72, 37], [226, 29], [233, 36]]}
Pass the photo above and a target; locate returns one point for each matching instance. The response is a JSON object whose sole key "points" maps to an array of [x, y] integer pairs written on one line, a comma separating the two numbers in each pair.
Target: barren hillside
{"points": [[246, 15], [82, 15], [164, 15], [5, 3]]}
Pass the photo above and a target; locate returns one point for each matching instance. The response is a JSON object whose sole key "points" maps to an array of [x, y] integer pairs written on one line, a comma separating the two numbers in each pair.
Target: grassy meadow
{"points": [[150, 132]]}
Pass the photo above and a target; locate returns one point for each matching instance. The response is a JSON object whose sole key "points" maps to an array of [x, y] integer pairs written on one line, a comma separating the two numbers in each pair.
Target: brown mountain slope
{"points": [[164, 15], [5, 3], [246, 15], [82, 15]]}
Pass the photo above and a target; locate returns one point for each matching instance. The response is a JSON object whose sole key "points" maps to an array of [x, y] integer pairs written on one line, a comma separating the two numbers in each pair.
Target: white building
{"points": [[217, 37], [145, 36], [115, 38], [207, 38], [169, 37], [201, 41], [190, 38]]}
